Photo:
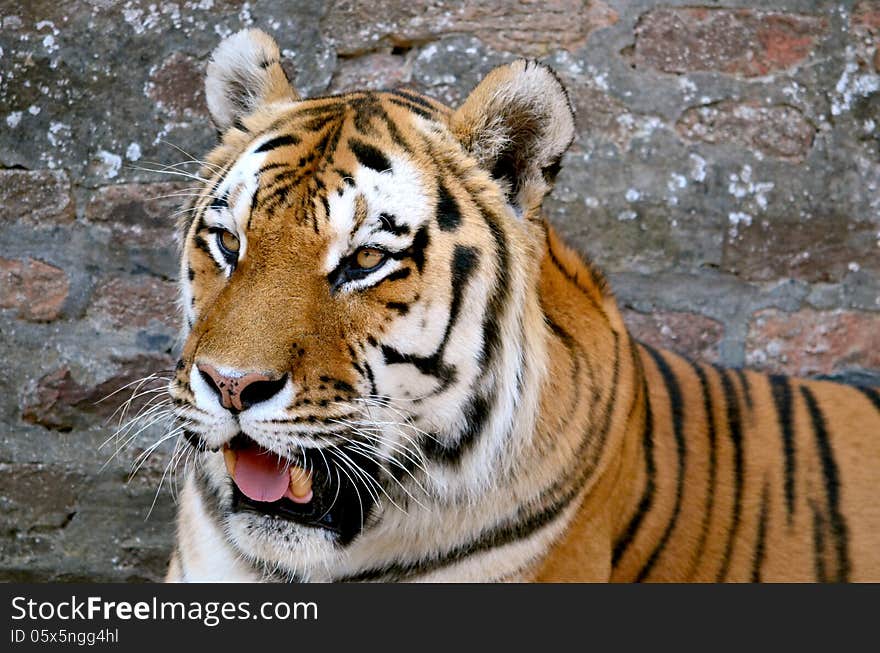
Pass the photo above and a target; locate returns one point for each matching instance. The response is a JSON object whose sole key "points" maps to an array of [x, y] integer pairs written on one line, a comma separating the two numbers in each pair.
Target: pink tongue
{"points": [[261, 475]]}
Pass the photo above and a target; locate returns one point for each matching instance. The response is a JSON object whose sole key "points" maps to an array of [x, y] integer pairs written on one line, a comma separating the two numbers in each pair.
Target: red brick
{"points": [[177, 86], [813, 342], [140, 214], [865, 29], [37, 197], [780, 131], [527, 27], [822, 247], [57, 399], [135, 302], [38, 497], [35, 289], [742, 42], [866, 16], [689, 334]]}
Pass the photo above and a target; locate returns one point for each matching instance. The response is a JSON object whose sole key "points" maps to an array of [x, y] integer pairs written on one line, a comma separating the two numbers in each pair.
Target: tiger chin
{"points": [[393, 369]]}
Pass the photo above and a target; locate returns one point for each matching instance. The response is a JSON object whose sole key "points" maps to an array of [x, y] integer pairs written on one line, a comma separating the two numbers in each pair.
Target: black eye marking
{"points": [[349, 269], [402, 273], [219, 203], [229, 255], [389, 224]]}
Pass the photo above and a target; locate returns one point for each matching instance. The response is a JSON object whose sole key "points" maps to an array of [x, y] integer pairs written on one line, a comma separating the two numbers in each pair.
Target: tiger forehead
{"points": [[314, 155]]}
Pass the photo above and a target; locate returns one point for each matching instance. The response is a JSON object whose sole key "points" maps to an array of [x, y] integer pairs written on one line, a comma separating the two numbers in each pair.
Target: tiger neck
{"points": [[591, 403]]}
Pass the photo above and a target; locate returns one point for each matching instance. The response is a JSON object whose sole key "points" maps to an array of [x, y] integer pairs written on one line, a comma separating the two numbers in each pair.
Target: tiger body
{"points": [[473, 398]]}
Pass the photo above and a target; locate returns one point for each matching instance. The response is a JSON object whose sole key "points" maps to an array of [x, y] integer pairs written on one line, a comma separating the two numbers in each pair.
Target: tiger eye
{"points": [[369, 257], [230, 242]]}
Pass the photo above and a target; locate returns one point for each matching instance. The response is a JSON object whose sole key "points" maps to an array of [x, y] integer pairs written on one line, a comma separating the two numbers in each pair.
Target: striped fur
{"points": [[520, 433]]}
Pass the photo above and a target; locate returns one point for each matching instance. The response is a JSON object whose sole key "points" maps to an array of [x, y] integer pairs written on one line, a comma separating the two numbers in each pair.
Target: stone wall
{"points": [[725, 175]]}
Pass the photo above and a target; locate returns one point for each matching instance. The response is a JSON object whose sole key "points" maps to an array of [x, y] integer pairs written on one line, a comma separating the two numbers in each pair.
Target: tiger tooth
{"points": [[300, 483], [229, 457]]}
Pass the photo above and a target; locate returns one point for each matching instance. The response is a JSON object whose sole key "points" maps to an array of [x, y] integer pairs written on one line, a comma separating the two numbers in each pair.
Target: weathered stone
{"points": [[688, 334], [139, 206], [58, 401], [530, 28], [822, 247], [743, 42], [39, 197], [177, 87], [35, 289], [36, 497], [125, 302], [865, 31], [372, 71], [813, 342], [779, 130]]}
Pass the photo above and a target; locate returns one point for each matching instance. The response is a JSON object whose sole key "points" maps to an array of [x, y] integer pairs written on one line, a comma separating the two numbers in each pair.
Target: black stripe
{"points": [[409, 106], [464, 262], [734, 425], [872, 395], [676, 406], [394, 132], [202, 244], [369, 156], [819, 545], [832, 484], [448, 214], [572, 278], [400, 307], [413, 97], [476, 414], [498, 300], [431, 365], [746, 387], [709, 409], [493, 538], [575, 352], [647, 500], [278, 141], [781, 391], [518, 527], [760, 544], [397, 275]]}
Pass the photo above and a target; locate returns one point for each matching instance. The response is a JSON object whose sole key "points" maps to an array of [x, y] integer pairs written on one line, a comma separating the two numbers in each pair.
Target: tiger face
{"points": [[350, 270]]}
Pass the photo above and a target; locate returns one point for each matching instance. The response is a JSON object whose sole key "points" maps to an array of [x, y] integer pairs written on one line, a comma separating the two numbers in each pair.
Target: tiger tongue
{"points": [[261, 475]]}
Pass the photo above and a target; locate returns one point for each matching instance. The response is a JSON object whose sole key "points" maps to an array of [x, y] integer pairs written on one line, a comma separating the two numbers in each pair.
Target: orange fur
{"points": [[729, 529]]}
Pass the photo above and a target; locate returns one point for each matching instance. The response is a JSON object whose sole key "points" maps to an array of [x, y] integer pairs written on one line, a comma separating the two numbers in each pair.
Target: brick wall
{"points": [[725, 175]]}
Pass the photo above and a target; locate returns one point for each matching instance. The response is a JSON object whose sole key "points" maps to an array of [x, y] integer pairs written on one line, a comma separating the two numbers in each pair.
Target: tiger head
{"points": [[362, 333]]}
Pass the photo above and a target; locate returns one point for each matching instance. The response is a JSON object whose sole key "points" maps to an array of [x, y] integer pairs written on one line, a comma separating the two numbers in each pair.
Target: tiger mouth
{"points": [[307, 490]]}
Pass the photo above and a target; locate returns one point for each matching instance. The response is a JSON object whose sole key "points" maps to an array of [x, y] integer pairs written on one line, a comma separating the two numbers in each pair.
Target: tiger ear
{"points": [[244, 74], [517, 123]]}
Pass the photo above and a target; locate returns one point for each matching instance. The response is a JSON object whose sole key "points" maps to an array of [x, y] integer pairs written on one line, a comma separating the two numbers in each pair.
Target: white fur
{"points": [[236, 83]]}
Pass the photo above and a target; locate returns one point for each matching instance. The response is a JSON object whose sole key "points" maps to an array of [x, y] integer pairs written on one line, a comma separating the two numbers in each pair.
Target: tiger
{"points": [[393, 368]]}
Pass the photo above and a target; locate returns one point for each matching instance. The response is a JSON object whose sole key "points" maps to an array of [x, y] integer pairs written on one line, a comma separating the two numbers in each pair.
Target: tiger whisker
{"points": [[192, 158]]}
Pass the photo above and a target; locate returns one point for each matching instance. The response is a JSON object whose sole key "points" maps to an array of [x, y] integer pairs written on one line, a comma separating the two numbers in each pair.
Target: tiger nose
{"points": [[240, 392]]}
